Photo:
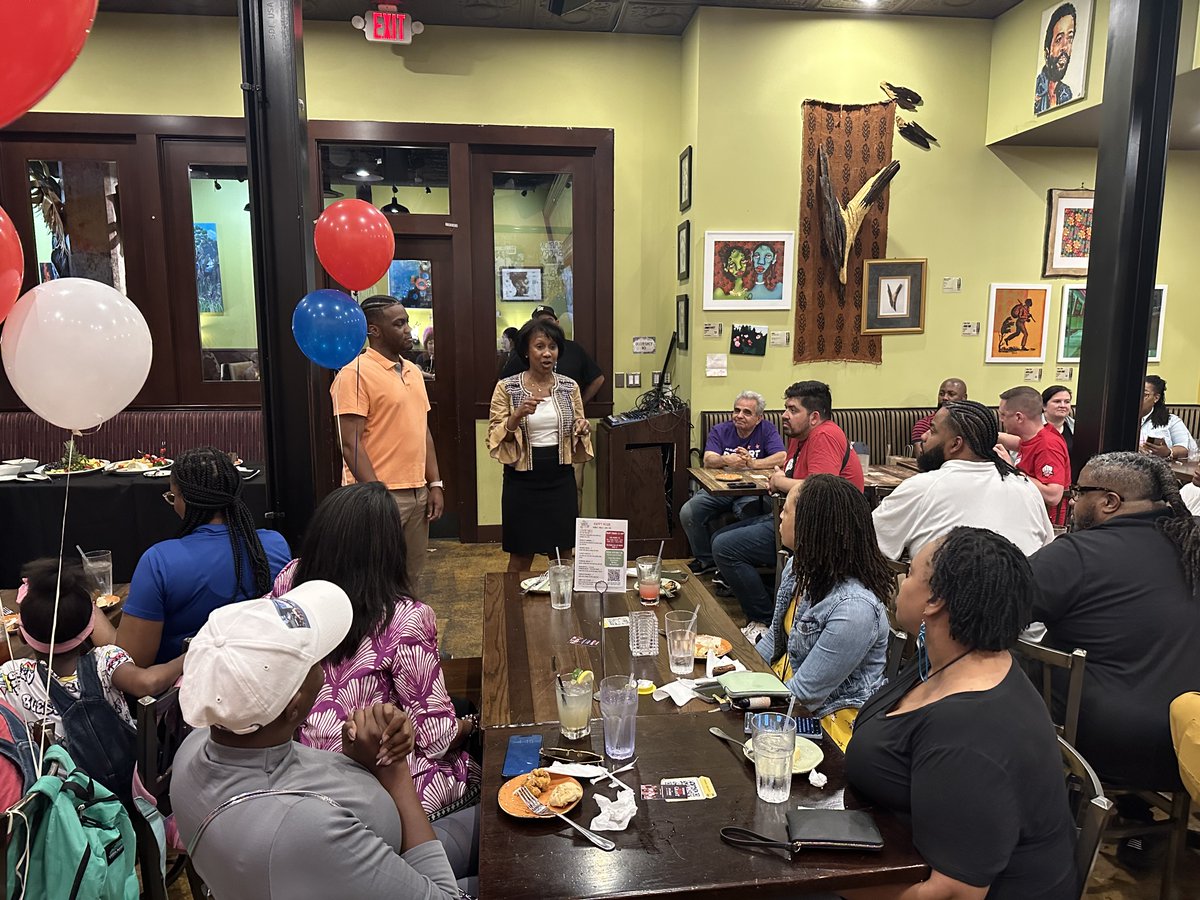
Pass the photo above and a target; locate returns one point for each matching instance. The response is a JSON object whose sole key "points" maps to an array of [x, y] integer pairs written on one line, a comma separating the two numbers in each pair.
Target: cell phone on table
{"points": [[806, 726], [523, 754], [740, 485]]}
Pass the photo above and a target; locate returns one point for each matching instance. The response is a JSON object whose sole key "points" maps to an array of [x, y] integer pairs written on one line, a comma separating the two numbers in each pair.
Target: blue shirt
{"points": [[762, 442], [179, 582]]}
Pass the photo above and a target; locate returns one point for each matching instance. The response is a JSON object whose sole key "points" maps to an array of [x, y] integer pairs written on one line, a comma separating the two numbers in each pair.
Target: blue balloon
{"points": [[330, 328]]}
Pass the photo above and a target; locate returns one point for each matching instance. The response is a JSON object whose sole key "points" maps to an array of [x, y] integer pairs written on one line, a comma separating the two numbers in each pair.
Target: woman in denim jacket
{"points": [[829, 634]]}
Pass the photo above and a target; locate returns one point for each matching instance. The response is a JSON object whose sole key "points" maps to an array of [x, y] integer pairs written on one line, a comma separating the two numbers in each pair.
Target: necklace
{"points": [[943, 668], [537, 390]]}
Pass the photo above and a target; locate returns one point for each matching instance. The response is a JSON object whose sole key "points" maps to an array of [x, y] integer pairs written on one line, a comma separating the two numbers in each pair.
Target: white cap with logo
{"points": [[251, 658]]}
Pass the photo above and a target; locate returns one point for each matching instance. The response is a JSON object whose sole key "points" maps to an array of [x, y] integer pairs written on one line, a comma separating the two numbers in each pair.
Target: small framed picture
{"points": [[1017, 323], [681, 321], [685, 180], [894, 296], [521, 284], [683, 250], [1068, 233]]}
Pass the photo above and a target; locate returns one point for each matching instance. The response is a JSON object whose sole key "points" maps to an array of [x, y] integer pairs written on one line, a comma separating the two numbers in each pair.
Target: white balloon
{"points": [[76, 351]]}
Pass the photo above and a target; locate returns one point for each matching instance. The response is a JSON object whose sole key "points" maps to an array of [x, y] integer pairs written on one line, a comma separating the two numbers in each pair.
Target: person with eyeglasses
{"points": [[383, 414], [1162, 433], [217, 558], [745, 441], [1124, 585]]}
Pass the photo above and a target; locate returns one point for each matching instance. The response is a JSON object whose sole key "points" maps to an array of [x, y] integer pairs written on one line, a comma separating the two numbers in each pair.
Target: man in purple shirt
{"points": [[747, 441]]}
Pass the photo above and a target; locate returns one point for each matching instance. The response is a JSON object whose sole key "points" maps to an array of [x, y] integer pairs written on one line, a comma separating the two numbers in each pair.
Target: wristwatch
{"points": [[438, 483]]}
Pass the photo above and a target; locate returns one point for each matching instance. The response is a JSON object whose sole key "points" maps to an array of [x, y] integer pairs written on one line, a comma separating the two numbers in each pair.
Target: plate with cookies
{"points": [[560, 792]]}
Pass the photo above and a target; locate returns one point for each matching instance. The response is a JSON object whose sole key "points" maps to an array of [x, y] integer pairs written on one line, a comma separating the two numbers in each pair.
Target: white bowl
{"points": [[8, 470], [26, 465]]}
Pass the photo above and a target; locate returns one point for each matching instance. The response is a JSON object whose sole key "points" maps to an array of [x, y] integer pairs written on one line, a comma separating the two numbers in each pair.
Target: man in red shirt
{"points": [[816, 445], [1042, 454], [952, 389]]}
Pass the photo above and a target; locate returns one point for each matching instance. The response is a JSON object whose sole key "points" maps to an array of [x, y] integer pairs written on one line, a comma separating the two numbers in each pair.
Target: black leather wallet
{"points": [[815, 829]]}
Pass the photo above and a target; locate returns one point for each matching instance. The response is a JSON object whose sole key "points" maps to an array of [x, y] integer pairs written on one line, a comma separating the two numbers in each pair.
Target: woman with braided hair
{"points": [[1163, 433], [961, 741], [217, 558], [1124, 585]]}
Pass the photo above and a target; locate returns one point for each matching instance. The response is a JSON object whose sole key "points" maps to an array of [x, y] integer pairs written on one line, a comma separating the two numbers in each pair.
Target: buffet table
{"points": [[122, 513]]}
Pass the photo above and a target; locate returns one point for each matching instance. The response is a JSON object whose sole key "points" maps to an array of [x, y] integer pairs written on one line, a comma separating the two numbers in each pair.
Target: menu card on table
{"points": [[601, 546]]}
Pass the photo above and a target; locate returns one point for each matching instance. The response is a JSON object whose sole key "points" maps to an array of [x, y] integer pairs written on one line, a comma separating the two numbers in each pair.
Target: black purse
{"points": [[815, 829]]}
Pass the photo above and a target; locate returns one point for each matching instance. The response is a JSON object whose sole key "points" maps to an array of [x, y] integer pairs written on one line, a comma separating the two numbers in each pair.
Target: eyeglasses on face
{"points": [[1077, 489], [169, 497]]}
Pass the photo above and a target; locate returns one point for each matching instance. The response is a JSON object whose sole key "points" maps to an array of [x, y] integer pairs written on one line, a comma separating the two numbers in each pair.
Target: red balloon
{"points": [[38, 42], [355, 243], [12, 265]]}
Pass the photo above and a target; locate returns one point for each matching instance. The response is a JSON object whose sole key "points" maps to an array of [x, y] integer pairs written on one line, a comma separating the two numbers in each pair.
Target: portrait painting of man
{"points": [[1064, 40]]}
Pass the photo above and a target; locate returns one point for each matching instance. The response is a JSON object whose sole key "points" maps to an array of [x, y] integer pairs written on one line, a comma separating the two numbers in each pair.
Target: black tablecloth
{"points": [[122, 513]]}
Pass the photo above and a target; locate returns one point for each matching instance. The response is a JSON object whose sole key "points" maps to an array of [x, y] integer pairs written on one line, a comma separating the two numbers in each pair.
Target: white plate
{"points": [[9, 477], [538, 584], [157, 473], [41, 470], [806, 757], [113, 470]]}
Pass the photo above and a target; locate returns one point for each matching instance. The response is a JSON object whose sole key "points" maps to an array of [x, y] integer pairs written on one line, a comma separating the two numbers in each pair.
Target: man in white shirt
{"points": [[1190, 493], [963, 481]]}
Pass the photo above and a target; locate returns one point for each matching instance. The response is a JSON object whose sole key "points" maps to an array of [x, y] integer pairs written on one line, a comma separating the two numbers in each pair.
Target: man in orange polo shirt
{"points": [[383, 410]]}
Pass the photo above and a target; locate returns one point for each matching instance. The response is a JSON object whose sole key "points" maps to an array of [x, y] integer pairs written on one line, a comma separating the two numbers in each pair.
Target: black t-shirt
{"points": [[573, 362], [981, 776], [1117, 590]]}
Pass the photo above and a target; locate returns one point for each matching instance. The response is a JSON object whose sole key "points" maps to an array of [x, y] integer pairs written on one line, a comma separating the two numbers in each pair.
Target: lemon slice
{"points": [[584, 675]]}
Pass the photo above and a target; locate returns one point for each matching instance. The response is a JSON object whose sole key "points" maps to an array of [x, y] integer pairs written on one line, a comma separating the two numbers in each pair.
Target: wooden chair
{"points": [[1032, 657], [1090, 808], [1177, 807], [161, 729], [896, 653]]}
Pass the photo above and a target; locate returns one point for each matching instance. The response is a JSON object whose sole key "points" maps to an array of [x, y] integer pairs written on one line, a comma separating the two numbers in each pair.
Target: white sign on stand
{"points": [[601, 553]]}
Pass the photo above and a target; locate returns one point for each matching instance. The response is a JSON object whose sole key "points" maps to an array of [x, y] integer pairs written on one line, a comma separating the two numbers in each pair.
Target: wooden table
{"points": [[672, 849], [879, 481], [1184, 471], [706, 479], [525, 642]]}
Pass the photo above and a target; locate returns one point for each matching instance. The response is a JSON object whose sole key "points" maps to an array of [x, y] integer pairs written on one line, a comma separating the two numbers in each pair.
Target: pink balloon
{"points": [[355, 243], [12, 265], [76, 352], [39, 39]]}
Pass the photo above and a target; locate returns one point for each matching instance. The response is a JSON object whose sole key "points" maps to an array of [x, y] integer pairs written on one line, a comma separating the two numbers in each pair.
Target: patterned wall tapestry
{"points": [[858, 141]]}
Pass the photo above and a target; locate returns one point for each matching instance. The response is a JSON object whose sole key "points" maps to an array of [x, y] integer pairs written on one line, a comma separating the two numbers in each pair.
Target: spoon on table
{"points": [[717, 732]]}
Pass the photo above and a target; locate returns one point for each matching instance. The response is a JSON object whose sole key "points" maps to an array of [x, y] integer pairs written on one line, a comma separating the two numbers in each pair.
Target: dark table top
{"points": [[525, 642], [676, 848], [122, 513]]}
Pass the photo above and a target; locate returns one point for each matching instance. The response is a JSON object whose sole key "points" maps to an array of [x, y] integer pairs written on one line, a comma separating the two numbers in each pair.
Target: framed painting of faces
{"points": [[748, 270], [1063, 42]]}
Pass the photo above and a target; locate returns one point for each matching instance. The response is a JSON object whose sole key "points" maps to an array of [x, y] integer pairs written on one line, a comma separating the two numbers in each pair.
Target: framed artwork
{"points": [[681, 321], [894, 296], [1017, 323], [411, 282], [748, 270], [1070, 336], [208, 269], [1063, 44], [685, 180], [521, 284], [748, 340], [683, 250], [1068, 233]]}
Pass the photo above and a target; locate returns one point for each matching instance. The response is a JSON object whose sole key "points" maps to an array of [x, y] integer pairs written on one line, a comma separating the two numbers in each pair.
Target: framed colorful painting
{"points": [[1070, 337], [748, 270], [1068, 233], [1018, 323], [894, 296], [1063, 39]]}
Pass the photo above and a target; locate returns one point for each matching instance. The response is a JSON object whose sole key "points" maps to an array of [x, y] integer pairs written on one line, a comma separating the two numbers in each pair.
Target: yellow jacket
{"points": [[512, 448]]}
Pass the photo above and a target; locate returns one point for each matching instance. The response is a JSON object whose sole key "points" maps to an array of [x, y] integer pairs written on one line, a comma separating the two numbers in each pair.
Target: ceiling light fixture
{"points": [[216, 185], [362, 176], [394, 208]]}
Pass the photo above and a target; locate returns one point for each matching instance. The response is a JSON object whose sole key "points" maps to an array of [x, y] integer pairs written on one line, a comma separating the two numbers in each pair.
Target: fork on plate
{"points": [[537, 807]]}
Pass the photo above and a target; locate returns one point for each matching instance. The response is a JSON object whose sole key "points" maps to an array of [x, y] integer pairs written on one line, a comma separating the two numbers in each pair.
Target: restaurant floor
{"points": [[452, 584]]}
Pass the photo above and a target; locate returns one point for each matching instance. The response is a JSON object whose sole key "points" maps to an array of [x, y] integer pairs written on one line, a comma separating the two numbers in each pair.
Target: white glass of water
{"points": [[681, 641], [618, 709], [774, 741], [560, 578]]}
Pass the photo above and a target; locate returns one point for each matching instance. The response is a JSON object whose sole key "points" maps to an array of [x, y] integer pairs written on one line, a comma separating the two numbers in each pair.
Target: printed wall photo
{"points": [[521, 284], [1064, 40], [1017, 323], [1068, 232], [1070, 338], [208, 269], [748, 269], [748, 340], [411, 282]]}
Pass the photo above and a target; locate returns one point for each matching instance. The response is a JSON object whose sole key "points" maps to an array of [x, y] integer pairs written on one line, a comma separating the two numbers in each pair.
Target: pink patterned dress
{"points": [[400, 665]]}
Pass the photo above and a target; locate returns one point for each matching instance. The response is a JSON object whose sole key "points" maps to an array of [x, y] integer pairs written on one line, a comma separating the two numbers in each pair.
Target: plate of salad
{"points": [[73, 462]]}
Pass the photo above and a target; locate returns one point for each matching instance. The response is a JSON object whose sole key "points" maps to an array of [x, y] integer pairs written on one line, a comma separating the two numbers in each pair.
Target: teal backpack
{"points": [[71, 838]]}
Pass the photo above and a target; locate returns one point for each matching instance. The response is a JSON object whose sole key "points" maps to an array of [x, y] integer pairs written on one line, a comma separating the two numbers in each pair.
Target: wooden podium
{"points": [[642, 476]]}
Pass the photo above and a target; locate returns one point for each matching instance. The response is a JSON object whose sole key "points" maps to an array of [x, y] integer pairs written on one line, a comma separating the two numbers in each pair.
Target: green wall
{"points": [[226, 209]]}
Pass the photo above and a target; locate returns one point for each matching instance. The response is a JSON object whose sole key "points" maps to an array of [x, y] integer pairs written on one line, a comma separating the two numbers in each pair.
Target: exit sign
{"points": [[389, 27]]}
